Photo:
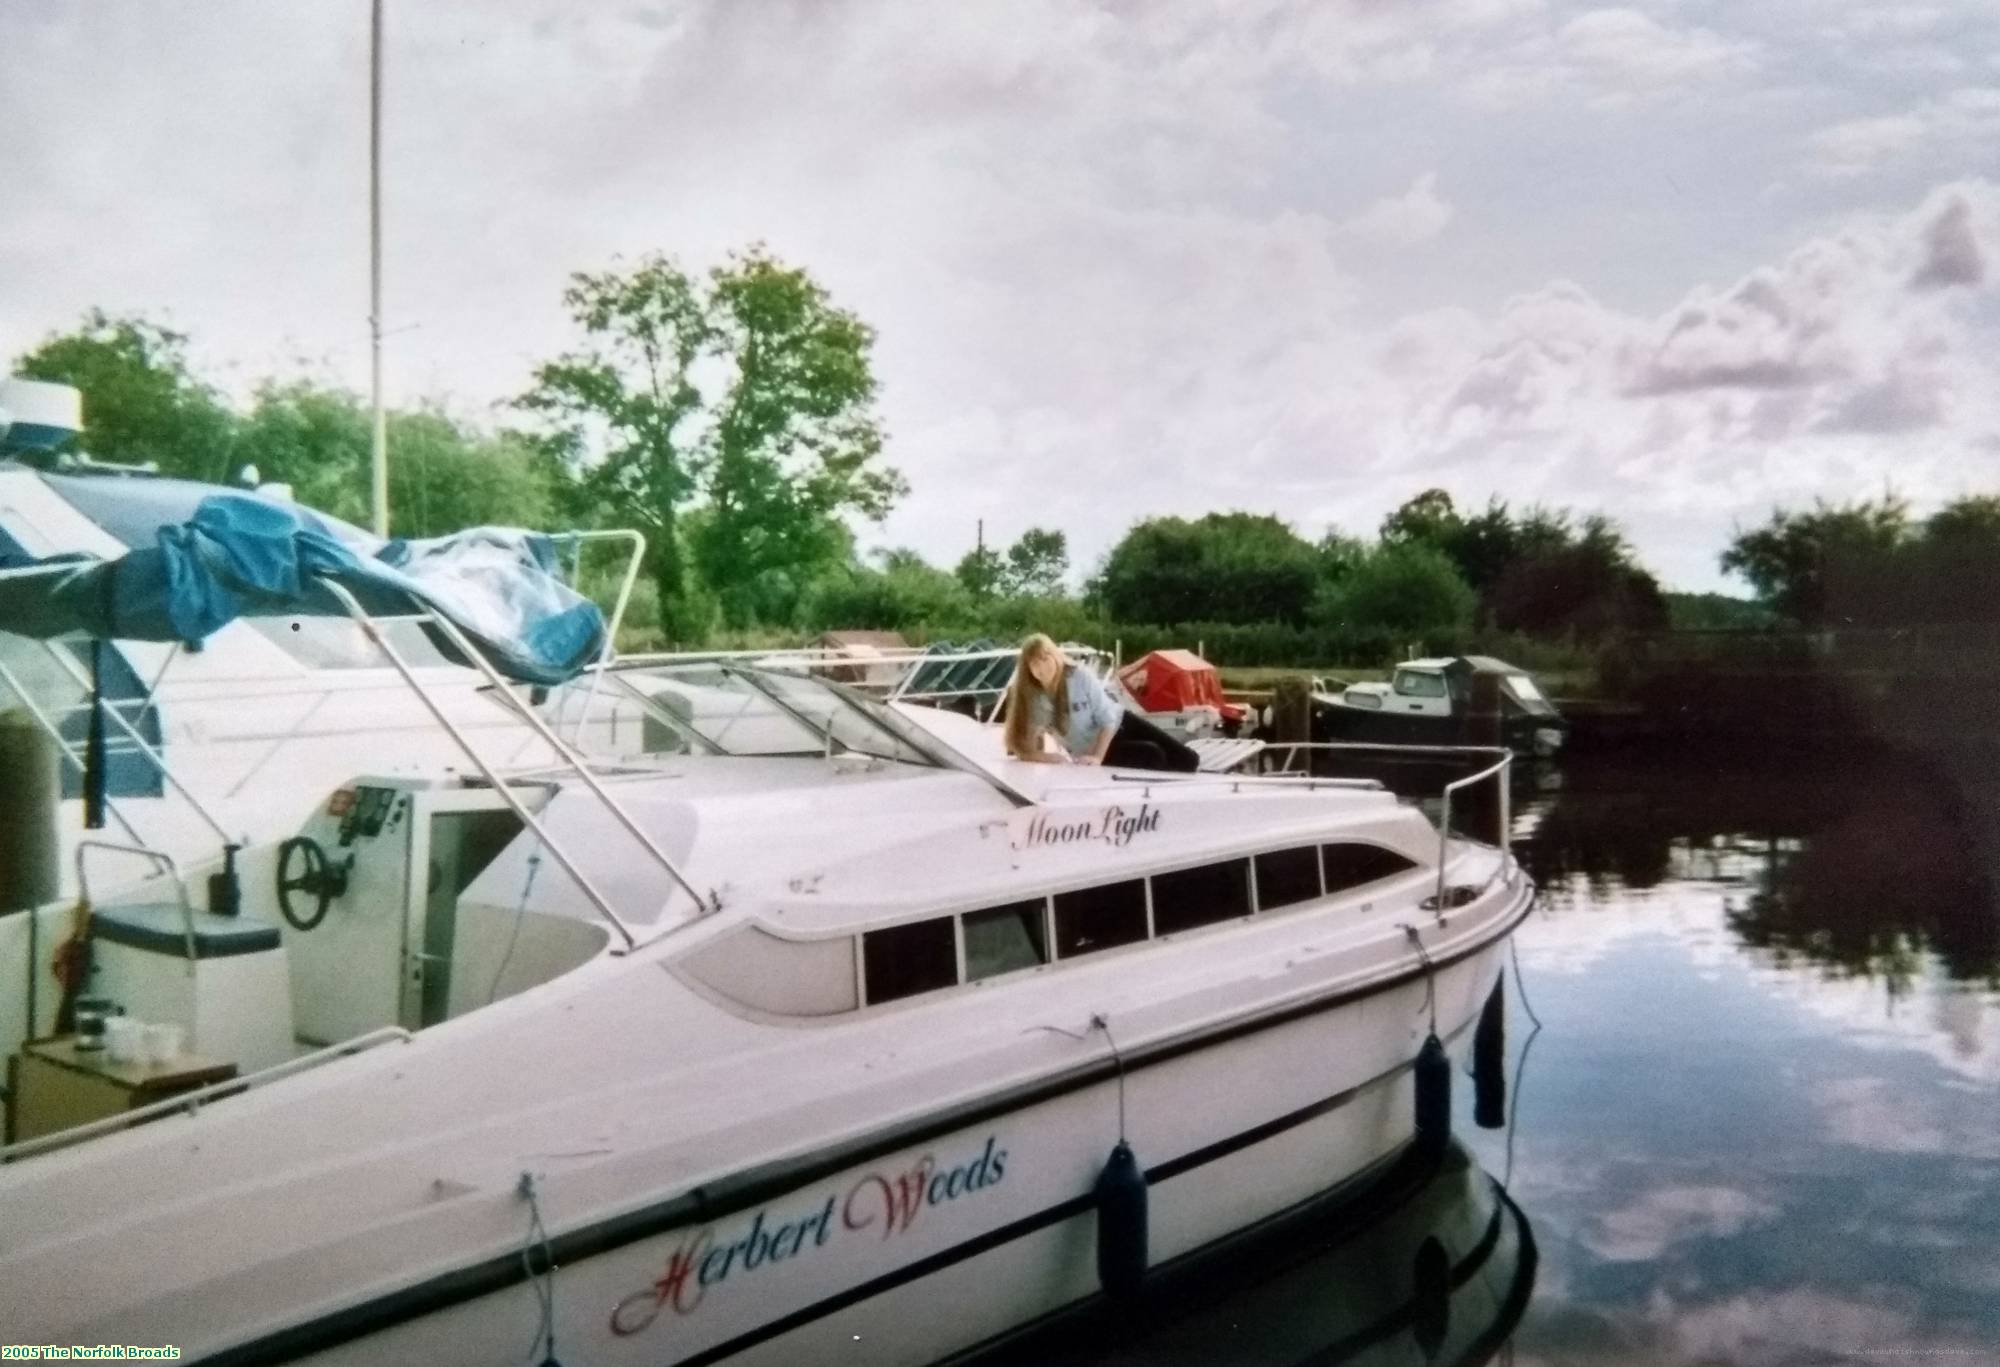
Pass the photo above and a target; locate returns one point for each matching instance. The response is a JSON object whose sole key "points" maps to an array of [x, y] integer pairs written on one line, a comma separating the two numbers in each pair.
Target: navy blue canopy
{"points": [[242, 555]]}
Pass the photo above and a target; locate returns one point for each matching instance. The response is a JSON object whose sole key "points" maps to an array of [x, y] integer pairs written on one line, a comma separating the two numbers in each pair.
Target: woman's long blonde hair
{"points": [[1021, 694]]}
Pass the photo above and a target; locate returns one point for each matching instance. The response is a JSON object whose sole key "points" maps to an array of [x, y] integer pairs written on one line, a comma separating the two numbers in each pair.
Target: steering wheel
{"points": [[319, 878]]}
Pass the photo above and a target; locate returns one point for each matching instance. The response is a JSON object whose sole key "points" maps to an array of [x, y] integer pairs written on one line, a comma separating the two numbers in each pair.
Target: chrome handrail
{"points": [[1290, 748], [610, 650], [380, 638], [158, 857], [191, 1101], [55, 734], [153, 756], [568, 756], [1506, 844]]}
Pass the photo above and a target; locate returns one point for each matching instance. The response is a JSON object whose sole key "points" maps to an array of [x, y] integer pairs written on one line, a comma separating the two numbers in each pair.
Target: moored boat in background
{"points": [[1449, 700]]}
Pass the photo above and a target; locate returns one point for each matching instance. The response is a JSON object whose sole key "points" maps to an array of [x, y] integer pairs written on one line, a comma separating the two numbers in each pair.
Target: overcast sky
{"points": [[1676, 262]]}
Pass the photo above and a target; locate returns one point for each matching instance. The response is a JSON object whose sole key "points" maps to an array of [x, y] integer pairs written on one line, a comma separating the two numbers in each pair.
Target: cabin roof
{"points": [[1473, 664]]}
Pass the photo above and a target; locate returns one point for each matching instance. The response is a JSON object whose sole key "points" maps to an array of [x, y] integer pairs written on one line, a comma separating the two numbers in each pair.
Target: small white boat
{"points": [[794, 1020], [1448, 700]]}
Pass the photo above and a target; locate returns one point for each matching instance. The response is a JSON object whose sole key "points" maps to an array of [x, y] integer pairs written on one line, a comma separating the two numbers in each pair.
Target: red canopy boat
{"points": [[1175, 680]]}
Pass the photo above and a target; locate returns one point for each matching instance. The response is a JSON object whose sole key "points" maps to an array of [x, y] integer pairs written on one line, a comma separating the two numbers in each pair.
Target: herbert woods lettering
{"points": [[883, 1203]]}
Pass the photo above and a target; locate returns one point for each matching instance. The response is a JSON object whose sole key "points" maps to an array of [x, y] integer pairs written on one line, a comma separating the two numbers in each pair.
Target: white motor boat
{"points": [[805, 1029], [256, 725]]}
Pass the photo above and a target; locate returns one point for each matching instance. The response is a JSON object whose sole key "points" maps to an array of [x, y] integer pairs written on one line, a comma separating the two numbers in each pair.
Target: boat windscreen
{"points": [[746, 710], [852, 721], [1530, 697]]}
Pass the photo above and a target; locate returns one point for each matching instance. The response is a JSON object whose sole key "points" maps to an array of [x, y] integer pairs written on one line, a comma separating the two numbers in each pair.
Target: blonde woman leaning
{"points": [[1052, 697]]}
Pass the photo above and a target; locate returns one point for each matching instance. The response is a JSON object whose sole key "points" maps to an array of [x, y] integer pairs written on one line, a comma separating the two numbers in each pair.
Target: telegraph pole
{"points": [[379, 441]]}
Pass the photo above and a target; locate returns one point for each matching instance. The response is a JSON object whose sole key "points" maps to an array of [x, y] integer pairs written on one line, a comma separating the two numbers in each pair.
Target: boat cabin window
{"points": [[1090, 919], [1351, 865], [902, 961], [1003, 939], [1287, 877], [770, 973], [1200, 896], [1523, 687], [1417, 683]]}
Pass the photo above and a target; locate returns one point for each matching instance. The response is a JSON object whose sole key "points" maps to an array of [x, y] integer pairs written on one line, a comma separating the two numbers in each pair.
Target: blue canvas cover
{"points": [[242, 555]]}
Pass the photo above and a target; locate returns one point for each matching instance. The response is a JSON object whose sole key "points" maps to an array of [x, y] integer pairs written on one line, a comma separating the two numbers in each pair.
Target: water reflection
{"points": [[1861, 871], [1757, 1128], [1760, 1125], [1434, 1266]]}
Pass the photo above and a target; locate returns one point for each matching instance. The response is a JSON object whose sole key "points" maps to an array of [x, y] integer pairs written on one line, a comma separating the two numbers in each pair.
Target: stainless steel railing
{"points": [[190, 1102], [160, 857]]}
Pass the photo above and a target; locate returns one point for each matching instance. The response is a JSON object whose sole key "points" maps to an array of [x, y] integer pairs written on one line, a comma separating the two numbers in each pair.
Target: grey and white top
{"points": [[1091, 710]]}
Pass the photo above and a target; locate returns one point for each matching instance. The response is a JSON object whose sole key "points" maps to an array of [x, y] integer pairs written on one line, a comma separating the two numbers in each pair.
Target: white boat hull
{"points": [[1230, 1134]]}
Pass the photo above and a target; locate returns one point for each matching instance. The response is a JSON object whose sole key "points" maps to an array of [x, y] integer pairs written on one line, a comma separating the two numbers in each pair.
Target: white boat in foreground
{"points": [[800, 1029]]}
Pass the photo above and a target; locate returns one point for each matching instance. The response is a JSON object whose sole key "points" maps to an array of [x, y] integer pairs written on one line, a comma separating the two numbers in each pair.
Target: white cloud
{"points": [[1961, 126], [1611, 57], [1121, 260], [1417, 215], [1856, 355], [1659, 1217]]}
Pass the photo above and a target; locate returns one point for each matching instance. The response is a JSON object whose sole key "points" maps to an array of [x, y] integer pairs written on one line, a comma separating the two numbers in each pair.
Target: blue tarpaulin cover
{"points": [[242, 555]]}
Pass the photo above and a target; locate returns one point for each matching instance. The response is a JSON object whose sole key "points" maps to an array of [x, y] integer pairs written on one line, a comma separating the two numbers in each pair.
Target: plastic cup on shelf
{"points": [[124, 1039], [163, 1042]]}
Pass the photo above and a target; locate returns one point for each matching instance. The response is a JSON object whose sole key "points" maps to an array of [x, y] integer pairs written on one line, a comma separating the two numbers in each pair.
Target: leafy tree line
{"points": [[731, 417], [1870, 564], [1431, 569], [144, 404]]}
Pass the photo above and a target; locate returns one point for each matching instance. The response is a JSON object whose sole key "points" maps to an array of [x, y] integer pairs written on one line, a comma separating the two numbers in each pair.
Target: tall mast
{"points": [[379, 441]]}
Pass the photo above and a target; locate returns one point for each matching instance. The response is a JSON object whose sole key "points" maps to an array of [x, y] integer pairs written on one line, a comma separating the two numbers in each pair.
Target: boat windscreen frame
{"points": [[881, 718]]}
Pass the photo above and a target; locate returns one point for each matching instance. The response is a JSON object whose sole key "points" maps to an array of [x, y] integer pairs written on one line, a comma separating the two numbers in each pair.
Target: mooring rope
{"points": [[543, 1282], [1104, 1023], [520, 913], [1430, 974]]}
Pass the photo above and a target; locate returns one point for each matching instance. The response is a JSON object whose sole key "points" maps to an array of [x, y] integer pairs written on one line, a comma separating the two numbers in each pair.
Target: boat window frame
{"points": [[1144, 882], [1250, 907], [1326, 884], [1317, 850], [1443, 689], [1047, 947], [1153, 935], [957, 958]]}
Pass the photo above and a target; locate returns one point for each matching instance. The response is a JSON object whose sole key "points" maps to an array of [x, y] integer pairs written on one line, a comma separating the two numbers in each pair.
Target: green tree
{"points": [[442, 476], [1403, 586], [796, 440], [1429, 517], [1579, 590], [1715, 612], [1036, 564], [753, 394], [624, 412], [905, 592], [981, 570], [1816, 567], [1224, 567], [142, 400]]}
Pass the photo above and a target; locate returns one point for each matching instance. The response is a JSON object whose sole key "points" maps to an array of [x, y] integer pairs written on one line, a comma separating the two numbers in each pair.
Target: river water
{"points": [[1759, 1122]]}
